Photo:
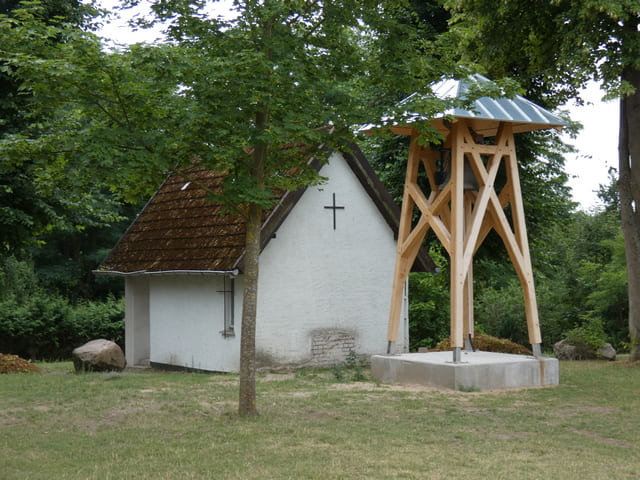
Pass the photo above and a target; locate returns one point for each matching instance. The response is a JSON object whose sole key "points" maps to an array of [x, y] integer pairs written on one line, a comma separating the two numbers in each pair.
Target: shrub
{"points": [[46, 326], [93, 320], [589, 336], [34, 328], [429, 304], [500, 312]]}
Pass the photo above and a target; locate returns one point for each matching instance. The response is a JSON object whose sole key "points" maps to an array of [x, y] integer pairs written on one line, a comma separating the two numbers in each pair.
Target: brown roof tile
{"points": [[179, 229]]}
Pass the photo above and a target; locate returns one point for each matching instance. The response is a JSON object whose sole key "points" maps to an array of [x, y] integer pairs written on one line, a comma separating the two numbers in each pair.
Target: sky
{"points": [[597, 143]]}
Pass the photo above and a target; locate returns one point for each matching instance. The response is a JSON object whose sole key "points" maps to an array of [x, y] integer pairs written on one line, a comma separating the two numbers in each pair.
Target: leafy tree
{"points": [[558, 46], [254, 96], [32, 205]]}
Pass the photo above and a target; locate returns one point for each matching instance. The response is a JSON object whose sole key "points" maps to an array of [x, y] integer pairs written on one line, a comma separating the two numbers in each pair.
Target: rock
{"points": [[98, 356], [607, 352], [564, 351]]}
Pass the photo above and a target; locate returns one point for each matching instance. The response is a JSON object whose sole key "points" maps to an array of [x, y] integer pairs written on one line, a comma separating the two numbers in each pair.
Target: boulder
{"points": [[564, 351], [607, 352], [99, 356]]}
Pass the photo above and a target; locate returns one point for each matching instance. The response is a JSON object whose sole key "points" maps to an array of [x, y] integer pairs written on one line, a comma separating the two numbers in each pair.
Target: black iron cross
{"points": [[334, 207]]}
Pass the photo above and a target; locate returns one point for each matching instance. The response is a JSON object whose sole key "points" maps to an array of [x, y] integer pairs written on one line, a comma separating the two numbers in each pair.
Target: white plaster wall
{"points": [[314, 277], [136, 321], [187, 317]]}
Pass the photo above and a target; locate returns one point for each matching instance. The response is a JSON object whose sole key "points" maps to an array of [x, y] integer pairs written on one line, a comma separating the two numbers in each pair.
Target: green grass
{"points": [[150, 425]]}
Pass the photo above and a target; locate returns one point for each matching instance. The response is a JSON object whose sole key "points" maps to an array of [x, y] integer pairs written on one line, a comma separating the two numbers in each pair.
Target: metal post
{"points": [[537, 351], [457, 354]]}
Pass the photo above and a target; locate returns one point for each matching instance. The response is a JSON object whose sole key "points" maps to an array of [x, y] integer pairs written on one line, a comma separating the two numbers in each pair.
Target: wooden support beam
{"points": [[526, 270], [404, 256], [456, 253], [468, 318], [461, 221]]}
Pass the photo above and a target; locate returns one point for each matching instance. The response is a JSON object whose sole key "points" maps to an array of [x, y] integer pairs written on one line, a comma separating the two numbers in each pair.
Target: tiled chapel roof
{"points": [[180, 230]]}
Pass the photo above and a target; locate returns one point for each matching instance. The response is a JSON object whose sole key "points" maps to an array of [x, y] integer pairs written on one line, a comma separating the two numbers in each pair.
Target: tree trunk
{"points": [[247, 398], [629, 188]]}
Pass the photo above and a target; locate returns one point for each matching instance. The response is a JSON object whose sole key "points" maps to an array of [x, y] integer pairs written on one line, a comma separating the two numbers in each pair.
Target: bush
{"points": [[45, 326], [589, 335], [36, 327], [500, 312], [429, 319], [93, 320]]}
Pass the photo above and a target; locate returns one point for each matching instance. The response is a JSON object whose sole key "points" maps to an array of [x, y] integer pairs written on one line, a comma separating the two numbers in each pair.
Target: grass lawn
{"points": [[149, 425]]}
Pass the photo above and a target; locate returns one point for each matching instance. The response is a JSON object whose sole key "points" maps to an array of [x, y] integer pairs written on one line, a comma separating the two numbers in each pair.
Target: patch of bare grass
{"points": [[150, 425]]}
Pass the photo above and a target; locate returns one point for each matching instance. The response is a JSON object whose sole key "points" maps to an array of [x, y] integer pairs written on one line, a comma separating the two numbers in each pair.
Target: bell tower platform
{"points": [[475, 371]]}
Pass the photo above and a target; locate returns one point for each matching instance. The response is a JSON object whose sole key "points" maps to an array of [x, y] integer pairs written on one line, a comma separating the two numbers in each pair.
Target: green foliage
{"points": [[500, 312], [590, 274], [33, 202], [65, 261], [589, 334], [388, 157], [609, 299], [352, 370], [554, 47], [217, 91], [103, 319], [34, 328], [429, 304], [17, 279], [47, 326]]}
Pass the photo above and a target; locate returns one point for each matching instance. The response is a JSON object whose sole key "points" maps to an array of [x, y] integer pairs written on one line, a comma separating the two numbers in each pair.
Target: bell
{"points": [[443, 174], [470, 180]]}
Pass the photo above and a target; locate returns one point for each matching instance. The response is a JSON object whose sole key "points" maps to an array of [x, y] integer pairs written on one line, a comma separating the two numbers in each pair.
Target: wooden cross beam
{"points": [[461, 220]]}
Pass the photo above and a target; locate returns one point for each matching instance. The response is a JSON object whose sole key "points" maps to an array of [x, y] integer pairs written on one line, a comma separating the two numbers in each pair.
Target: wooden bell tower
{"points": [[464, 204]]}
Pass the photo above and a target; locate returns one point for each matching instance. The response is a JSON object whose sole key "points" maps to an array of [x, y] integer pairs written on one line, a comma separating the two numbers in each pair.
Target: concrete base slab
{"points": [[476, 370]]}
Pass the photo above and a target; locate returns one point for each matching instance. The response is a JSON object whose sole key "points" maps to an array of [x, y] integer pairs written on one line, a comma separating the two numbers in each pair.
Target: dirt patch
{"points": [[276, 377], [417, 388], [599, 438], [301, 394], [5, 422], [374, 387]]}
